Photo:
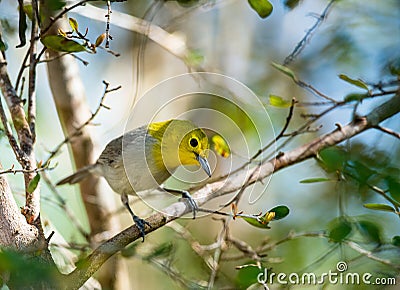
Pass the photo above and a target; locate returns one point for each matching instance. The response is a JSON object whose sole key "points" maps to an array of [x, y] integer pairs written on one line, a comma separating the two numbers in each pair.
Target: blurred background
{"points": [[360, 39]]}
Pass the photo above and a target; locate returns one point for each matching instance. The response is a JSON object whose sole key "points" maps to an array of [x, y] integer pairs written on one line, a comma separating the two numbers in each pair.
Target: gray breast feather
{"points": [[124, 165]]}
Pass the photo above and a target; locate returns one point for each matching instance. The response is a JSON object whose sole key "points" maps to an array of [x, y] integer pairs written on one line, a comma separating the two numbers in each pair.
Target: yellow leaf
{"points": [[220, 146], [277, 101], [73, 23]]}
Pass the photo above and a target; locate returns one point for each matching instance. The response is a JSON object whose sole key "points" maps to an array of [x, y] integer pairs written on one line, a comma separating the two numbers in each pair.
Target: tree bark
{"points": [[16, 233]]}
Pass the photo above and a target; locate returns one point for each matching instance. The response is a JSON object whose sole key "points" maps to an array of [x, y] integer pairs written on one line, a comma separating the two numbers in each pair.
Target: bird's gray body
{"points": [[124, 165], [145, 157]]}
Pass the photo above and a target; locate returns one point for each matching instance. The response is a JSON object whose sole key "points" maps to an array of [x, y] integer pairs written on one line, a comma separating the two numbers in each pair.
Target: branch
{"points": [[92, 263], [26, 155], [11, 139]]}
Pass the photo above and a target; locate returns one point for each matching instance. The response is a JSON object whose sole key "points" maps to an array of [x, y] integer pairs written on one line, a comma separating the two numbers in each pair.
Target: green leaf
{"points": [[379, 206], [315, 180], [187, 3], [22, 26], [194, 58], [394, 188], [332, 159], [26, 271], [370, 231], [280, 211], [258, 222], [339, 229], [73, 23], [358, 83], [262, 7], [33, 183], [394, 67], [220, 146], [287, 71], [55, 4], [355, 97], [359, 171], [396, 241], [28, 10], [291, 4], [129, 251], [163, 250], [276, 213], [277, 101], [247, 276], [3, 45], [60, 43]]}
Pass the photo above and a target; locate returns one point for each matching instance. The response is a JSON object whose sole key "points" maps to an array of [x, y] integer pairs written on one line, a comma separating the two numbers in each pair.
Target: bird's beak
{"points": [[204, 164]]}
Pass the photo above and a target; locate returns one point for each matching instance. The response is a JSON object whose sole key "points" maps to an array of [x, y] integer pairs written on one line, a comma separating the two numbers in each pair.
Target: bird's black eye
{"points": [[193, 142]]}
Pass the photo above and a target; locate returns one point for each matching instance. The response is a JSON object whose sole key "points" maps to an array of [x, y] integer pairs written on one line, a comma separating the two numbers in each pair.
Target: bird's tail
{"points": [[78, 176]]}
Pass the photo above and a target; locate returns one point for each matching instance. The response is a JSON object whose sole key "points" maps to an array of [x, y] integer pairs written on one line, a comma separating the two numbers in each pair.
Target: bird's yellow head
{"points": [[180, 143]]}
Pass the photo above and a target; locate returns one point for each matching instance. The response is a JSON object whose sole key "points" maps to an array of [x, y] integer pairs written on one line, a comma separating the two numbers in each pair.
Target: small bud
{"points": [[100, 39]]}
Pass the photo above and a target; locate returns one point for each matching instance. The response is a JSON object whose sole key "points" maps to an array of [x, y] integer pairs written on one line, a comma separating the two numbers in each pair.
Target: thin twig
{"points": [[78, 130], [281, 133], [108, 17], [307, 125], [21, 70], [313, 90], [262, 250], [11, 139], [370, 255], [306, 130], [15, 171], [217, 254], [32, 72], [394, 202], [175, 275], [309, 104], [302, 43], [388, 131], [11, 98], [378, 190], [63, 205], [246, 249]]}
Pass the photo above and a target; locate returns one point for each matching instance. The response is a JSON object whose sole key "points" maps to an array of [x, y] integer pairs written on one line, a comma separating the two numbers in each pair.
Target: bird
{"points": [[149, 155]]}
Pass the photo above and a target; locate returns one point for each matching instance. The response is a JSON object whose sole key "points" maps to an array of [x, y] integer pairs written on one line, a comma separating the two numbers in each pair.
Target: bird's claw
{"points": [[191, 201], [141, 224]]}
